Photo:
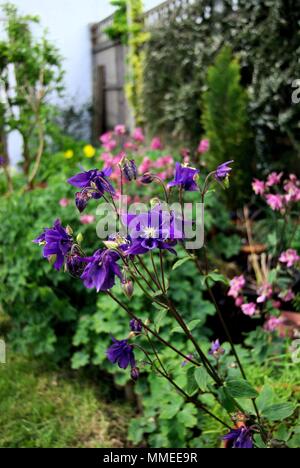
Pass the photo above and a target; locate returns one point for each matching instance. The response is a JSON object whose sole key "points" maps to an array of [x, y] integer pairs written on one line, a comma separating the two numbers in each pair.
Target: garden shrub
{"points": [[265, 37], [225, 123]]}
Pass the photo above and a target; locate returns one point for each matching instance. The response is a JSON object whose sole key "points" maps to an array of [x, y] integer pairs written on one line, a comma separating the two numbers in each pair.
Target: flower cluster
{"points": [[267, 294], [278, 193]]}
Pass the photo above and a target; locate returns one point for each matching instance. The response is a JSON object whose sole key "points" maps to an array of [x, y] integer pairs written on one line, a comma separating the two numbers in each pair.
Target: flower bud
{"points": [[81, 200], [79, 238], [69, 230], [147, 178], [129, 169], [135, 325], [128, 287], [135, 373]]}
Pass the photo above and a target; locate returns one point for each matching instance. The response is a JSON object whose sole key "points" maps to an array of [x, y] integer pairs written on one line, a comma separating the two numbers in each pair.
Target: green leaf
{"points": [[202, 378], [294, 442], [80, 359], [159, 318], [279, 411], [181, 262], [239, 388], [259, 443], [191, 386], [282, 433], [191, 326], [226, 400], [170, 410], [216, 277], [265, 398], [188, 416]]}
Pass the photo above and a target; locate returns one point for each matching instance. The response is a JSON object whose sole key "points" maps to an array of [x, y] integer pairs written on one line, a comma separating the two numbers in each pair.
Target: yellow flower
{"points": [[69, 154], [89, 151]]}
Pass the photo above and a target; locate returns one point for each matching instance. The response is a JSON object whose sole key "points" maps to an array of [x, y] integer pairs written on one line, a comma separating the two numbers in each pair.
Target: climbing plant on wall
{"points": [[136, 57], [128, 28]]}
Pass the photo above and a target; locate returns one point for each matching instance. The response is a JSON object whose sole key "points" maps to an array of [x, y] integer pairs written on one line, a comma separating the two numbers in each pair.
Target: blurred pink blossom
{"points": [[145, 166], [110, 145], [129, 145], [274, 178], [138, 135], [292, 187], [64, 202], [163, 161], [87, 219], [290, 257], [239, 301], [276, 304], [287, 296], [265, 292], [203, 146], [106, 138], [249, 309], [258, 187], [236, 284], [273, 323], [156, 144], [275, 201], [120, 129]]}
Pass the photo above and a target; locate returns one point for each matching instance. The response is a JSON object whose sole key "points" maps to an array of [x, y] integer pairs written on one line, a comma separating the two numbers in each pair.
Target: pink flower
{"points": [[64, 202], [156, 144], [138, 135], [110, 145], [239, 301], [128, 145], [186, 155], [145, 166], [87, 219], [274, 178], [236, 284], [276, 304], [203, 146], [274, 201], [292, 188], [258, 187], [120, 129], [265, 292], [287, 296], [105, 138], [290, 257], [273, 323], [249, 309]]}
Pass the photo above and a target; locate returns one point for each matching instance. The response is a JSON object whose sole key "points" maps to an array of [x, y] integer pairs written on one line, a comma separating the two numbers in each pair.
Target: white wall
{"points": [[67, 24]]}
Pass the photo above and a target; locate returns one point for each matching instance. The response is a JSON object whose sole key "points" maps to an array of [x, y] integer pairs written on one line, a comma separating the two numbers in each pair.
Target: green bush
{"points": [[228, 131], [264, 35]]}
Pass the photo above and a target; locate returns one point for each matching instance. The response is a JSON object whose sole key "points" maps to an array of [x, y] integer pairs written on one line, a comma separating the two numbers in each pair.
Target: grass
{"points": [[43, 408]]}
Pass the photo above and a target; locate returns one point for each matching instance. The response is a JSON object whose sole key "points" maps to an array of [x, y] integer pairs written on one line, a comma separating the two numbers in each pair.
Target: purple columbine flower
{"points": [[135, 326], [130, 170], [75, 264], [216, 349], [2, 161], [93, 184], [223, 171], [185, 178], [155, 229], [101, 270], [57, 242], [239, 438], [121, 353]]}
